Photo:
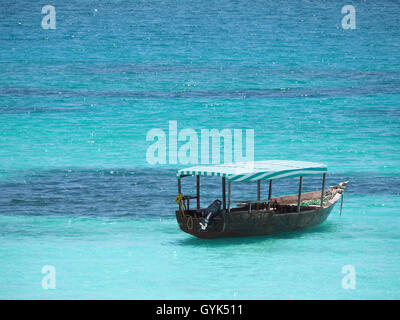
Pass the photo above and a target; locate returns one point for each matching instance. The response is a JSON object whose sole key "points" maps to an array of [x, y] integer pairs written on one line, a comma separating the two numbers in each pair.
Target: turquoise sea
{"points": [[76, 104]]}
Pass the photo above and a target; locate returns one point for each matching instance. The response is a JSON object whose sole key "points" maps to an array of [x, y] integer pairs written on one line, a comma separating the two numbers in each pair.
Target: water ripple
{"points": [[232, 94]]}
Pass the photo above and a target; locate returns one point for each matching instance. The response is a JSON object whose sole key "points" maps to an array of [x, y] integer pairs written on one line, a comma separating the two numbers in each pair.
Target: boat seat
{"points": [[187, 199], [250, 203]]}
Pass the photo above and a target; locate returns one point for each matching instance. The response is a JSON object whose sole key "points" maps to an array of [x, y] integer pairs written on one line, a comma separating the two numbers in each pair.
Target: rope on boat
{"points": [[182, 207], [189, 223]]}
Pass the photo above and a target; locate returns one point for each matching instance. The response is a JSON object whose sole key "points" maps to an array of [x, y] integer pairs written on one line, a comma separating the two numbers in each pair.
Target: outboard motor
{"points": [[212, 210]]}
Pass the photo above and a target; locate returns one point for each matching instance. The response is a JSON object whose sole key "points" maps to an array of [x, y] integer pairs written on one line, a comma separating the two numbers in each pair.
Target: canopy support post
{"points": [[323, 189], [223, 193], [179, 186], [198, 191], [229, 196], [258, 194], [299, 198], [269, 194]]}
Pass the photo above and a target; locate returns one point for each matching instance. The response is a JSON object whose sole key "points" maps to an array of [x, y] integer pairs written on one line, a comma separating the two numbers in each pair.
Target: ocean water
{"points": [[76, 104]]}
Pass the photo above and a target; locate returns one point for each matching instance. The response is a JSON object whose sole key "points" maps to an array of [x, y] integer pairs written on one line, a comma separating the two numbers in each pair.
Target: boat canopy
{"points": [[256, 170]]}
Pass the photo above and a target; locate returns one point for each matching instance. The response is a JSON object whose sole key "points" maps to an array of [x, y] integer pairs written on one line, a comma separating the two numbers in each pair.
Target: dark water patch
{"points": [[29, 110], [214, 94], [349, 74], [152, 69], [108, 193], [148, 192], [381, 111], [226, 68]]}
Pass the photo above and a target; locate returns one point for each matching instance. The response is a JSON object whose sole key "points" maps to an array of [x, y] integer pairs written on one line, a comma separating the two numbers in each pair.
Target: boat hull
{"points": [[241, 224], [257, 223]]}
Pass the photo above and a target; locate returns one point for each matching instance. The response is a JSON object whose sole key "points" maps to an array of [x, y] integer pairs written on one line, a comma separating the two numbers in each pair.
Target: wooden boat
{"points": [[261, 216]]}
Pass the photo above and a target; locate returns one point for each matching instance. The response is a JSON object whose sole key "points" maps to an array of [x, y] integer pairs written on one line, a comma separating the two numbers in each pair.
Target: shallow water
{"points": [[76, 103]]}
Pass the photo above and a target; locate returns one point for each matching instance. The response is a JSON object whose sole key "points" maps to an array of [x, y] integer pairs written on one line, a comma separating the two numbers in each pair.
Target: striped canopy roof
{"points": [[256, 170]]}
